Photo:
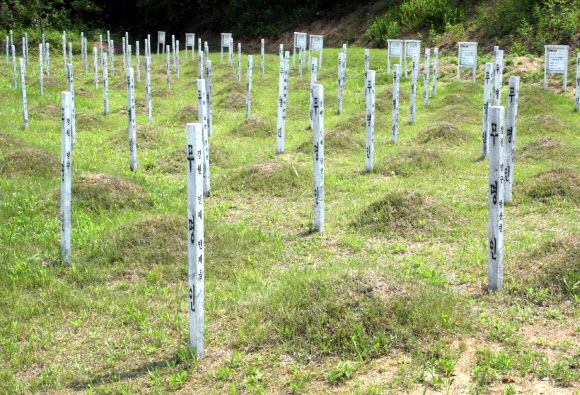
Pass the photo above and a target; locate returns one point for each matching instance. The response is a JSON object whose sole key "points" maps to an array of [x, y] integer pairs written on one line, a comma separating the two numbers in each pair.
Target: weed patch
{"points": [[187, 114], [545, 148]]}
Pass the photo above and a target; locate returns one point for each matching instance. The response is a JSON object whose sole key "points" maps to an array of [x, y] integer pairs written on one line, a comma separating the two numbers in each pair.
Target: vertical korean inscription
{"points": [[496, 198], [202, 113], [370, 120], [65, 178], [318, 142], [71, 89], [313, 78], [281, 119], [435, 71], [40, 68], [239, 62], [131, 119], [208, 89], [395, 117], [578, 82], [340, 80], [195, 237], [148, 88], [249, 88], [510, 134], [105, 67], [168, 68], [95, 68], [138, 62], [487, 94], [23, 89], [414, 75], [426, 77], [262, 56], [498, 77]]}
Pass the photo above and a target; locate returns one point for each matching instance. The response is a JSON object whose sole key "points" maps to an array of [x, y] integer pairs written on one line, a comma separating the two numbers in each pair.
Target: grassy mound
{"points": [[160, 91], [335, 140], [543, 124], [411, 161], [544, 148], [558, 183], [147, 137], [271, 177], [254, 127], [405, 213], [442, 132], [88, 121], [359, 315], [233, 102], [175, 161], [232, 87], [16, 160], [45, 111], [187, 114]]}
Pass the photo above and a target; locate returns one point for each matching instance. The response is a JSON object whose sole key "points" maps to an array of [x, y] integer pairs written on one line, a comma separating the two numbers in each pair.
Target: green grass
{"points": [[390, 298]]}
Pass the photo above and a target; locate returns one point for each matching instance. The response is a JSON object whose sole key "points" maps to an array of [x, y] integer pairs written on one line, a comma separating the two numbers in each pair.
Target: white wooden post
{"points": [[498, 77], [70, 54], [370, 120], [109, 41], [199, 44], [105, 68], [281, 120], [26, 39], [48, 59], [249, 88], [578, 82], [129, 60], [426, 77], [131, 120], [300, 64], [112, 49], [83, 48], [7, 51], [24, 51], [148, 87], [496, 198], [511, 124], [100, 44], [195, 237], [65, 180], [281, 52], [64, 50], [318, 141], [395, 121], [177, 59], [239, 62], [200, 65], [206, 51], [231, 54], [414, 77], [340, 87], [313, 77], [487, 94], [202, 113], [23, 88], [138, 61], [344, 63], [208, 89], [124, 54], [556, 62], [262, 56], [286, 80], [87, 57], [71, 89], [435, 71], [367, 59], [40, 68], [95, 70], [173, 49], [168, 67], [15, 79]]}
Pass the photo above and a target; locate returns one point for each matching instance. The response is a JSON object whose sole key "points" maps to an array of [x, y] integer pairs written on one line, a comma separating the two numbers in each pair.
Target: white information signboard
{"points": [[161, 41], [300, 43], [190, 43], [467, 57], [395, 50], [225, 42], [412, 49], [316, 44], [556, 59]]}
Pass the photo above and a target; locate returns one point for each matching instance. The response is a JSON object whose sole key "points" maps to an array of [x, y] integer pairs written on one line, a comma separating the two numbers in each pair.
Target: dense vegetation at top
{"points": [[523, 25]]}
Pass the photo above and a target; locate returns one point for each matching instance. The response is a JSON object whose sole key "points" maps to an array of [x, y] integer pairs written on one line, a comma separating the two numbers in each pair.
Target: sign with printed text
{"points": [[413, 49], [396, 49], [468, 55], [226, 39], [557, 60], [190, 39], [316, 43], [300, 40]]}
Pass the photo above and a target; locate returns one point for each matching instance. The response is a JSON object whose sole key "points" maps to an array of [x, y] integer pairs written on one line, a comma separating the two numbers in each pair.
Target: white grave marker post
{"points": [[208, 91], [95, 68], [48, 59], [83, 48], [7, 51], [200, 65], [138, 65], [64, 50], [131, 118], [108, 40], [286, 81], [149, 45], [281, 52], [556, 62], [26, 37], [202, 113], [414, 77], [344, 60], [177, 59], [281, 120], [262, 57], [206, 52], [199, 48], [313, 77], [467, 57], [511, 123], [435, 71], [190, 43], [40, 69], [71, 89], [318, 141], [578, 82], [395, 121], [161, 41], [124, 54], [231, 54], [370, 124], [65, 180], [15, 79], [168, 68], [70, 54], [316, 44], [173, 49], [148, 87], [249, 88], [24, 51], [100, 44], [195, 237], [86, 57], [367, 58], [487, 94], [105, 68], [23, 88], [426, 77], [498, 78], [239, 62], [129, 50], [412, 49], [11, 39], [496, 198], [300, 64], [340, 87], [112, 49]]}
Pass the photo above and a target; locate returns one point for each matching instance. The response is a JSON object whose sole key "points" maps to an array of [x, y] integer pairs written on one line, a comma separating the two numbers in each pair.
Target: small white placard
{"points": [[190, 39], [468, 55], [316, 43], [413, 49], [557, 60], [161, 37], [226, 38], [396, 48]]}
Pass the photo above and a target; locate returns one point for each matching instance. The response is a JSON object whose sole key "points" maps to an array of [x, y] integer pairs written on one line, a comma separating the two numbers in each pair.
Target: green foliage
{"points": [[384, 27], [416, 14]]}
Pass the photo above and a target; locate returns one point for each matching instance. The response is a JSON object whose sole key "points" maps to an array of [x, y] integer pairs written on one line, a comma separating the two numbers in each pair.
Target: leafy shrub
{"points": [[416, 14], [384, 27]]}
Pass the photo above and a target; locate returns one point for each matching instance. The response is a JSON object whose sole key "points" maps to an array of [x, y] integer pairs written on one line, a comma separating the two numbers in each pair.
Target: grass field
{"points": [[391, 298]]}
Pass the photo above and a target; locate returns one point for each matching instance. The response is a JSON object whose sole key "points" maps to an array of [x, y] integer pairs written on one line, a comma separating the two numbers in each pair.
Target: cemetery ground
{"points": [[391, 298]]}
